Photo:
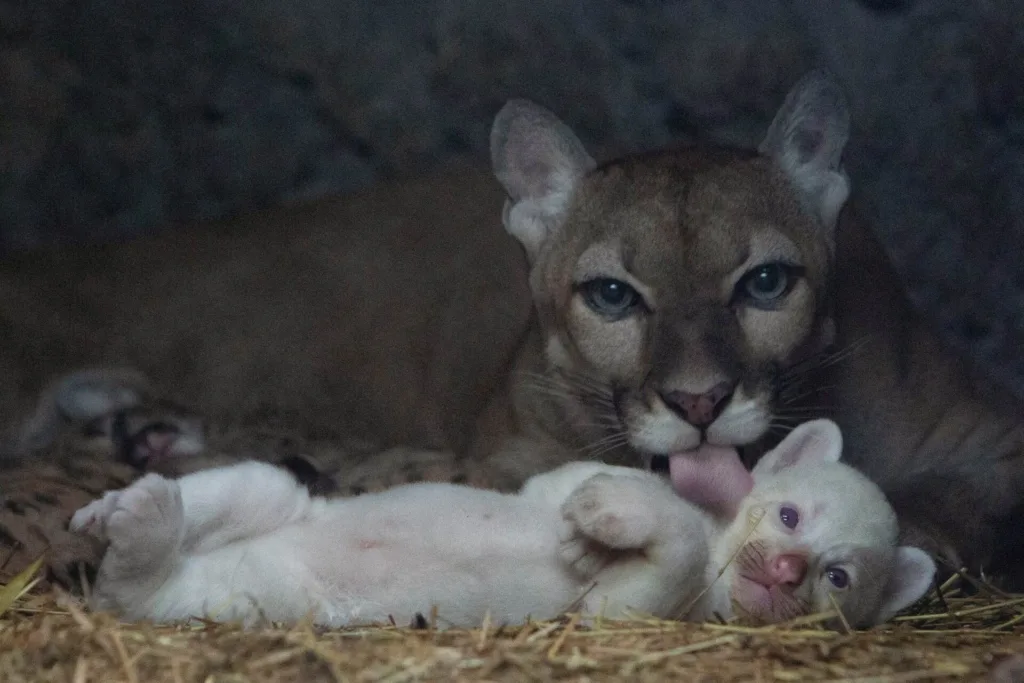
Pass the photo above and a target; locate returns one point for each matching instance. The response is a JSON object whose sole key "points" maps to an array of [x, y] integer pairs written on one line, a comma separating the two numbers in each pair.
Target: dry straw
{"points": [[48, 636]]}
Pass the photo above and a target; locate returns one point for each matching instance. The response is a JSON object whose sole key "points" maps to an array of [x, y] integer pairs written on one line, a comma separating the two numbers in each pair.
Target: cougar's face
{"points": [[677, 293], [675, 289]]}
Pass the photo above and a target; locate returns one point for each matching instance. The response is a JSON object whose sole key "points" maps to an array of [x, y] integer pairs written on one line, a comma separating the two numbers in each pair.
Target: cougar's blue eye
{"points": [[610, 297], [766, 284], [789, 516]]}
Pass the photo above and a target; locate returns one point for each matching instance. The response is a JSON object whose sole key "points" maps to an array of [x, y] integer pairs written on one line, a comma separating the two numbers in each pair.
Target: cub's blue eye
{"points": [[610, 297], [789, 516], [838, 577]]}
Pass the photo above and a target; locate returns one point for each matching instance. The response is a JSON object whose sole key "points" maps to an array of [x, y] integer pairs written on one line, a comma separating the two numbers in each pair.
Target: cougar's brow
{"points": [[599, 259]]}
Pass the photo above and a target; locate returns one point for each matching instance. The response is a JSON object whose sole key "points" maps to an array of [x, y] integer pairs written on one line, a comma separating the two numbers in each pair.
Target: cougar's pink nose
{"points": [[700, 410], [788, 569]]}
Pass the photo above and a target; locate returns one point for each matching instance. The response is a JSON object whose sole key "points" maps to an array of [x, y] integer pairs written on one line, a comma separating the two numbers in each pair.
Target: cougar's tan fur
{"points": [[408, 316]]}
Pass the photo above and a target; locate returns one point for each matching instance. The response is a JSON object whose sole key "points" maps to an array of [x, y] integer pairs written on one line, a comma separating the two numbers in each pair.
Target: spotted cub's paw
{"points": [[615, 511]]}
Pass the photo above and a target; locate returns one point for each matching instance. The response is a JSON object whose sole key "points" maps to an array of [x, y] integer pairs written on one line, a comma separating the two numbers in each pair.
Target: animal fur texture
{"points": [[247, 541], [631, 310]]}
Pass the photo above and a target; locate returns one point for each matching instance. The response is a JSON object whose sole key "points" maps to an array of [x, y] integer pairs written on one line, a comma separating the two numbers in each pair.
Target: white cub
{"points": [[238, 542], [813, 531], [247, 541]]}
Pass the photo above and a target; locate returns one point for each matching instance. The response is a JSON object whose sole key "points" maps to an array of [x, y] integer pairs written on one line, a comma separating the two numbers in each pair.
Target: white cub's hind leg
{"points": [[221, 505], [159, 527], [142, 522], [156, 523], [145, 526], [235, 502]]}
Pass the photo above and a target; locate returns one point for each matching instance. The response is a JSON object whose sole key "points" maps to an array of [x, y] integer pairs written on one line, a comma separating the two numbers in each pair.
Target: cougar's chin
{"points": [[654, 429]]}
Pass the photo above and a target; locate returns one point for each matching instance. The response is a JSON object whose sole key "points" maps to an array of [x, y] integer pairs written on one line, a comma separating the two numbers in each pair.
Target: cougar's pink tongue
{"points": [[712, 477]]}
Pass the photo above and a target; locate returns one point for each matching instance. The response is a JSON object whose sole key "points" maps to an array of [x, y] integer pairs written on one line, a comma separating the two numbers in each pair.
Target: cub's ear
{"points": [[806, 140], [816, 441], [539, 161], [912, 575]]}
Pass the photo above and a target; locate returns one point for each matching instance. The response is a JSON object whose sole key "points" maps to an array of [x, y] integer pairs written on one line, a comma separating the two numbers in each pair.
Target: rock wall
{"points": [[117, 118]]}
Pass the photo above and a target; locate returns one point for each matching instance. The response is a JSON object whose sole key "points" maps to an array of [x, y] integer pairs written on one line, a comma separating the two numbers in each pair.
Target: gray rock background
{"points": [[117, 118]]}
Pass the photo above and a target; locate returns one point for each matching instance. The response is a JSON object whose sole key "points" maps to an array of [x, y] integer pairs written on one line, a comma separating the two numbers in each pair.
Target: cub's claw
{"points": [[584, 555], [92, 519]]}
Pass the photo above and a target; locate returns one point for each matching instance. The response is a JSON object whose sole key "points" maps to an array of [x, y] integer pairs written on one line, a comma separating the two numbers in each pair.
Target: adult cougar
{"points": [[655, 303]]}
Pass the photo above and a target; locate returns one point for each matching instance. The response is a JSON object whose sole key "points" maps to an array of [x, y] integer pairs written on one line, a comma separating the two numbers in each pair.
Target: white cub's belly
{"points": [[399, 552]]}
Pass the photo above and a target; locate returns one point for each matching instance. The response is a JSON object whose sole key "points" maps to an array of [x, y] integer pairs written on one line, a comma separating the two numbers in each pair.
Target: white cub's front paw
{"points": [[616, 512], [92, 518], [146, 524], [585, 555]]}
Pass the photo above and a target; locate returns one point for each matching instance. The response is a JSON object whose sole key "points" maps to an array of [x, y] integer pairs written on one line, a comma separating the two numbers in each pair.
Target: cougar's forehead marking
{"points": [[768, 244], [612, 259], [699, 247], [602, 259]]}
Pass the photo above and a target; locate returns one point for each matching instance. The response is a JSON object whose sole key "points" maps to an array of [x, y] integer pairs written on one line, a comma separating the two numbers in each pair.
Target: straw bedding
{"points": [[966, 630], [48, 636]]}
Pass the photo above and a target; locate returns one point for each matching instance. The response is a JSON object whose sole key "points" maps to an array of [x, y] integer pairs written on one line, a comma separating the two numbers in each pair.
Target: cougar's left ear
{"points": [[539, 161], [806, 140]]}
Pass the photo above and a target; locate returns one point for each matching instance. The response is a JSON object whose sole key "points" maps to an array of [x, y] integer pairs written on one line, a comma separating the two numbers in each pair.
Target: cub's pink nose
{"points": [[788, 569]]}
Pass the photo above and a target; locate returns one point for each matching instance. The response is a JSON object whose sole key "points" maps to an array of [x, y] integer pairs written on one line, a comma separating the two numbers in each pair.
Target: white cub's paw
{"points": [[586, 556], [615, 511], [92, 518], [145, 529], [150, 510]]}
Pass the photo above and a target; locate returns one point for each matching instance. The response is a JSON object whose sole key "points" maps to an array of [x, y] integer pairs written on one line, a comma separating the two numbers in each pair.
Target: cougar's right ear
{"points": [[539, 161], [806, 140]]}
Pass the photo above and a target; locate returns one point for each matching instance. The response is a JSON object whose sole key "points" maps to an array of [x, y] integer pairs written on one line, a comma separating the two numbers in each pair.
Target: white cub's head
{"points": [[813, 530]]}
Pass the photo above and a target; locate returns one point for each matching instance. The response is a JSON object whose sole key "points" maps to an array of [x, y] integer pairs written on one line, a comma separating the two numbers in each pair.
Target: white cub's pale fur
{"points": [[246, 541], [813, 533], [238, 542]]}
